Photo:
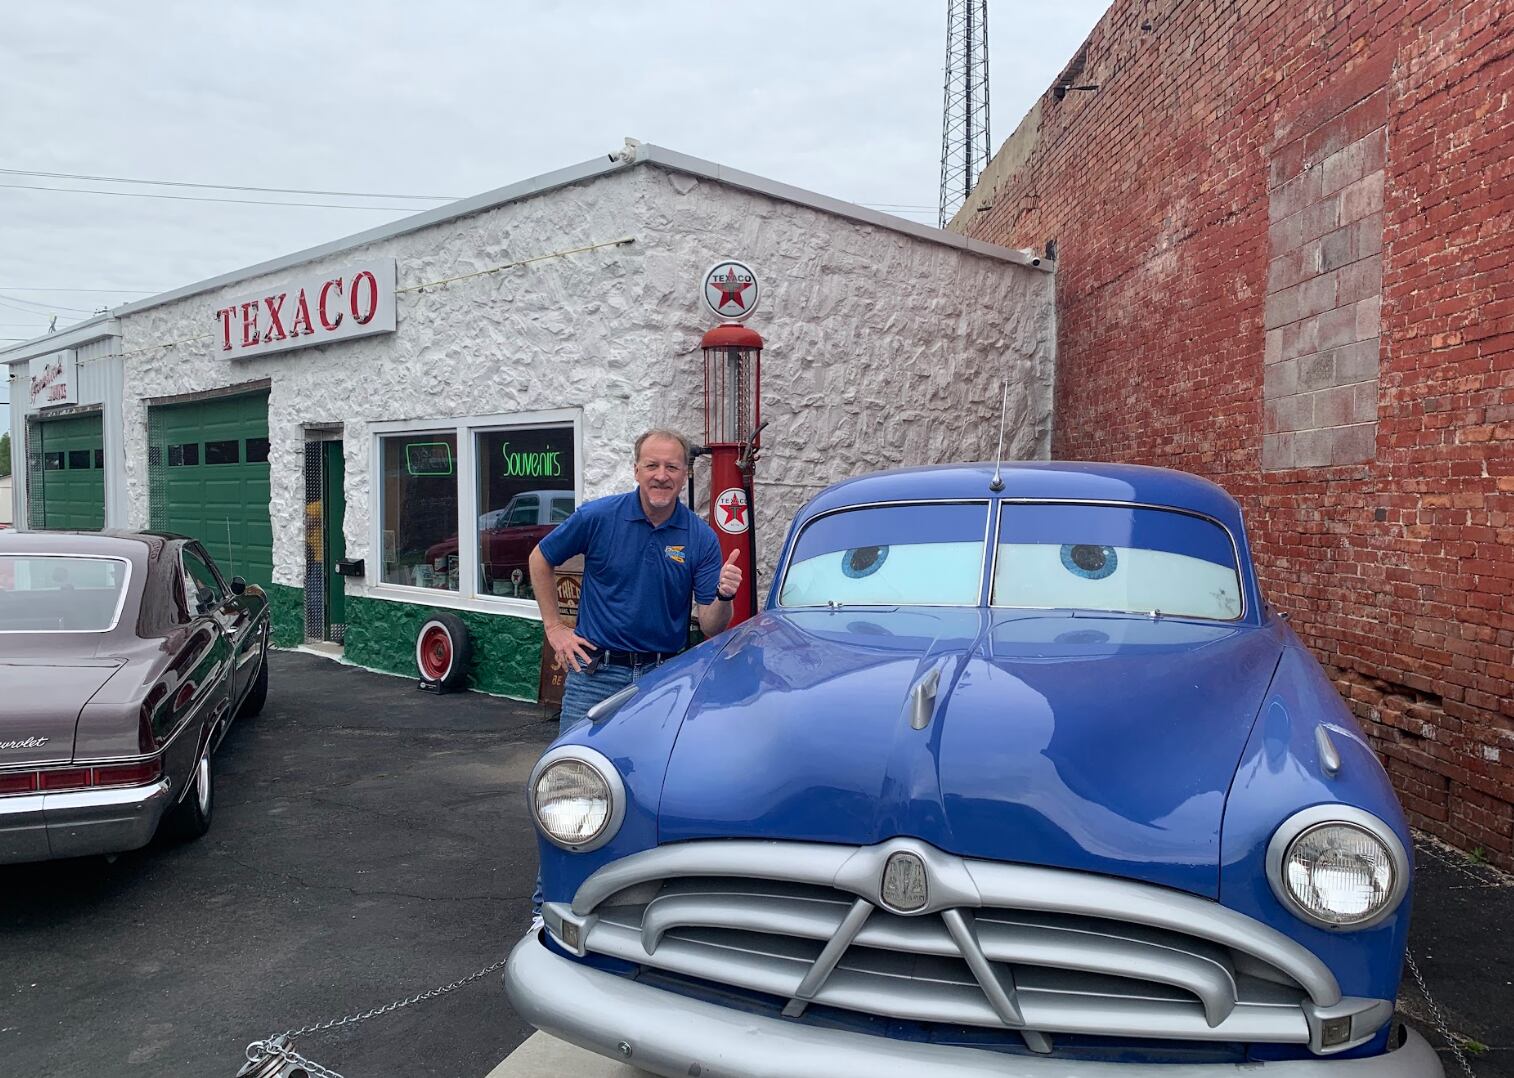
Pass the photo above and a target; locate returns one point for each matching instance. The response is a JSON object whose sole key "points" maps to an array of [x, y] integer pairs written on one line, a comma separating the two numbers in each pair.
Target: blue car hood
{"points": [[1097, 743]]}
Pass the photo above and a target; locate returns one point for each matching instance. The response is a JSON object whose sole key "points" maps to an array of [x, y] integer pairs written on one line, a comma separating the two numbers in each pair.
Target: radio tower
{"points": [[965, 149]]}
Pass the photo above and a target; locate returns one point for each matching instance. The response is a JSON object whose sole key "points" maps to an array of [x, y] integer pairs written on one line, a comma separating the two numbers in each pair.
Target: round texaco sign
{"points": [[731, 511], [731, 290]]}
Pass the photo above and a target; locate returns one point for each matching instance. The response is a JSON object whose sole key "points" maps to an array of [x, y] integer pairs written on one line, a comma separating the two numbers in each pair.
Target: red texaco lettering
{"points": [[373, 298], [226, 314], [250, 324], [301, 316], [272, 304], [326, 288]]}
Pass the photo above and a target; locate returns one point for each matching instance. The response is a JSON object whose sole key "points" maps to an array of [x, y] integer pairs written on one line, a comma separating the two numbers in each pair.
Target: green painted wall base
{"points": [[506, 650], [286, 612]]}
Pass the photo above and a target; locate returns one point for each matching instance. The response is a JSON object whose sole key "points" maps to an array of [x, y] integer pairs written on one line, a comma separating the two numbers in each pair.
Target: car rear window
{"points": [[1115, 558], [930, 554], [45, 593]]}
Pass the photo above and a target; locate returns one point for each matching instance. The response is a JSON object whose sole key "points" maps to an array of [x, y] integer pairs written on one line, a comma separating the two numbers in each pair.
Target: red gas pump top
{"points": [[731, 335]]}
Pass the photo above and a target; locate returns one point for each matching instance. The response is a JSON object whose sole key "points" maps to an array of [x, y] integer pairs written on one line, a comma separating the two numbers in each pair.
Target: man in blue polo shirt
{"points": [[646, 557]]}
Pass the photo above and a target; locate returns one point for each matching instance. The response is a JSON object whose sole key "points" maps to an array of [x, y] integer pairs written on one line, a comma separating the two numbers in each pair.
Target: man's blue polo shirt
{"points": [[638, 579]]}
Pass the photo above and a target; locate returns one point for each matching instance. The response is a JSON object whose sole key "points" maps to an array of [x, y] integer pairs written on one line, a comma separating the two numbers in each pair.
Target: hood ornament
{"points": [[905, 888]]}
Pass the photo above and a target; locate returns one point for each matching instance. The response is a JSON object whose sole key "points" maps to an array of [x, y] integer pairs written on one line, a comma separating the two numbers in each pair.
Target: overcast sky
{"points": [[445, 98]]}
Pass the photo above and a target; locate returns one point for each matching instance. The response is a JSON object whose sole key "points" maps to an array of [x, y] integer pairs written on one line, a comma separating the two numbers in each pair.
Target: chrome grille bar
{"points": [[971, 884], [826, 963], [1004, 946], [998, 983], [940, 998]]}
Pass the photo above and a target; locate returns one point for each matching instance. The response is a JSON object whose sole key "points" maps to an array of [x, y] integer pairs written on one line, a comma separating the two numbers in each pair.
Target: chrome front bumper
{"points": [[675, 1036], [80, 823]]}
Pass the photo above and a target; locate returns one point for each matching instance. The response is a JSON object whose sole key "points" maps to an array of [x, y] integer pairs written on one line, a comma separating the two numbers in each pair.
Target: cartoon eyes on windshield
{"points": [[1089, 562], [862, 561]]}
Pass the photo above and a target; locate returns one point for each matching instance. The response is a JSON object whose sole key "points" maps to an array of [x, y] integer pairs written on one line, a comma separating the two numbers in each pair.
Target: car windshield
{"points": [[40, 593], [1115, 558], [928, 554]]}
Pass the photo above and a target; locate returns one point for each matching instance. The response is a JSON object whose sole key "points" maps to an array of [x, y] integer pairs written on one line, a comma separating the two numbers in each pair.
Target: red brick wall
{"points": [[1338, 351]]}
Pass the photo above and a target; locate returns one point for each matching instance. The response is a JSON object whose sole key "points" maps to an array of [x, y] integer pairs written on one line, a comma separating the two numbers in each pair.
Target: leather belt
{"points": [[636, 658]]}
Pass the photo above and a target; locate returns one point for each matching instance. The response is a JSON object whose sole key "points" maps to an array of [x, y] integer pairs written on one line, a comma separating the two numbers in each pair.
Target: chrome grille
{"points": [[1040, 951]]}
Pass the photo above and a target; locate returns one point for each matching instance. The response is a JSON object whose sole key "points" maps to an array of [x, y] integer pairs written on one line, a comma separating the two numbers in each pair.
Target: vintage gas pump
{"points": [[733, 419]]}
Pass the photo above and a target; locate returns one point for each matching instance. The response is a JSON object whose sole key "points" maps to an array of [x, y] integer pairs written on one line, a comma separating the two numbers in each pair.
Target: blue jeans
{"points": [[581, 692]]}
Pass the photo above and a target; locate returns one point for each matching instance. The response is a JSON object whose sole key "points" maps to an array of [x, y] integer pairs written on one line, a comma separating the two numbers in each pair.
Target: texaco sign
{"points": [[731, 290], [731, 510]]}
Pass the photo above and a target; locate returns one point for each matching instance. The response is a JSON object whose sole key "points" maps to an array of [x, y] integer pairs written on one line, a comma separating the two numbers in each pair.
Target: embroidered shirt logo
{"points": [[674, 553]]}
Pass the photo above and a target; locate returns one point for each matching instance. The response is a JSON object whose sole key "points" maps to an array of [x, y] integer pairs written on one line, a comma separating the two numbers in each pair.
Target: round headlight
{"points": [[1339, 873], [576, 798]]}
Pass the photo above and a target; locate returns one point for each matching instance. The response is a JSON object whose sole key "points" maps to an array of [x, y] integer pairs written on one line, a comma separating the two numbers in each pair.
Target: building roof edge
{"points": [[634, 153]]}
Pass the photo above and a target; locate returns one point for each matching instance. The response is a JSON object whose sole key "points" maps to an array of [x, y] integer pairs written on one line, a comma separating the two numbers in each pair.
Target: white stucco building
{"points": [[536, 330]]}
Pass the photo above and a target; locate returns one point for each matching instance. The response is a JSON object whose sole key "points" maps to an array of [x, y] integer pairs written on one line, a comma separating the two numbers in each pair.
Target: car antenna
{"points": [[996, 484]]}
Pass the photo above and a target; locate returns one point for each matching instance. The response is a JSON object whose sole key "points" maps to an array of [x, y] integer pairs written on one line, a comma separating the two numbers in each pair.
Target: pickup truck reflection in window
{"points": [[1019, 779]]}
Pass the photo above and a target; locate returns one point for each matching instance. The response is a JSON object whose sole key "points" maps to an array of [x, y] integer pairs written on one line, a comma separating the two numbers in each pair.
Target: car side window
{"points": [[524, 511], [198, 574]]}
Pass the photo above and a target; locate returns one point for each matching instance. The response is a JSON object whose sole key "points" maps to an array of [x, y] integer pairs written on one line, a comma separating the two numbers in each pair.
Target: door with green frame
{"points": [[66, 473], [208, 473]]}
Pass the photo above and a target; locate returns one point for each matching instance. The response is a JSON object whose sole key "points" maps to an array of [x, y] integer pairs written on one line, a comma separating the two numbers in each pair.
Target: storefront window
{"points": [[525, 489], [420, 510]]}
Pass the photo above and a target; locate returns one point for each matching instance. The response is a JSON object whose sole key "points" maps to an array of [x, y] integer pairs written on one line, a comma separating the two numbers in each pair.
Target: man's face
{"points": [[661, 469]]}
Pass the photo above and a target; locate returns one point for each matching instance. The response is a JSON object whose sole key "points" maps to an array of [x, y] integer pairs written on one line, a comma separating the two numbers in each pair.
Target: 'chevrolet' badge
{"points": [[905, 887]]}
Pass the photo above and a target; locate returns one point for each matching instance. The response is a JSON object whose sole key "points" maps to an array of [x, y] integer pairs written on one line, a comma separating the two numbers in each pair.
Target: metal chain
{"points": [[277, 1050], [396, 1005], [278, 1046], [1440, 1019]]}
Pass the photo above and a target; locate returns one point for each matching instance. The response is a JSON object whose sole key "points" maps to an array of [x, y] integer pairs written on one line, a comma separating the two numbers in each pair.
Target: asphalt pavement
{"points": [[370, 844]]}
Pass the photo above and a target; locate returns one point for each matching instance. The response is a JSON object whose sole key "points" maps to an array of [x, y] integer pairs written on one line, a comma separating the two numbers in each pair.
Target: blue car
{"points": [[1016, 774]]}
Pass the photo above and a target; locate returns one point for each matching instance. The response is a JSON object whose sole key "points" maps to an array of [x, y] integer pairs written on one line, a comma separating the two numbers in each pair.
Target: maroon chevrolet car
{"points": [[124, 658]]}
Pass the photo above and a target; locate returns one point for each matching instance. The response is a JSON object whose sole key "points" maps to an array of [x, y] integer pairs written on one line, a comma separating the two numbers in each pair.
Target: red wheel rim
{"points": [[436, 653]]}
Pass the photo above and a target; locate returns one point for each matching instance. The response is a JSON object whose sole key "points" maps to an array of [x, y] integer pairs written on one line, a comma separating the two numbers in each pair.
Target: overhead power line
{"points": [[111, 291], [222, 186], [12, 301], [199, 198]]}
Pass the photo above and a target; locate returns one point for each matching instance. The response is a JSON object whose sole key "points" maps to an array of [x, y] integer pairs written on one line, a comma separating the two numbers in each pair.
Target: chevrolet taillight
{"points": [[18, 782], [64, 779], [133, 774]]}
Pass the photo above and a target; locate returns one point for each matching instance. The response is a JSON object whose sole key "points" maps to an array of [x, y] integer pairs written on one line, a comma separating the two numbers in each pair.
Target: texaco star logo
{"points": [[731, 510], [731, 290]]}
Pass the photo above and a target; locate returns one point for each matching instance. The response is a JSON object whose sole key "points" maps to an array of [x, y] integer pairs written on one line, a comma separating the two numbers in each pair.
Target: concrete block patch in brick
{"points": [[1316, 371], [1360, 280], [1369, 319], [1334, 406], [1337, 327], [1280, 379], [1362, 198], [1273, 348], [1300, 339], [1353, 444], [1364, 402], [1342, 167], [1356, 362]]}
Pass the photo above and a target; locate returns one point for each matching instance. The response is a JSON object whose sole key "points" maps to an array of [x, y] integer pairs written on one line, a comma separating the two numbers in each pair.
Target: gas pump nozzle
{"points": [[749, 451]]}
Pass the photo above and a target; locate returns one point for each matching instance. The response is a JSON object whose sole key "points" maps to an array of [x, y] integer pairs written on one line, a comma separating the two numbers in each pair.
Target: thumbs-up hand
{"points": [[730, 575]]}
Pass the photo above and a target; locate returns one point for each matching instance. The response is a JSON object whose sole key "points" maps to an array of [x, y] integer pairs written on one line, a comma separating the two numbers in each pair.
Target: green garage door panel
{"points": [[72, 475], [211, 465]]}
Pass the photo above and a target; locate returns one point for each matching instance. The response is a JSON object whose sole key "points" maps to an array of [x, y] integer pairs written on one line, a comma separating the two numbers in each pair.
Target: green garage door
{"points": [[66, 475], [209, 468]]}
